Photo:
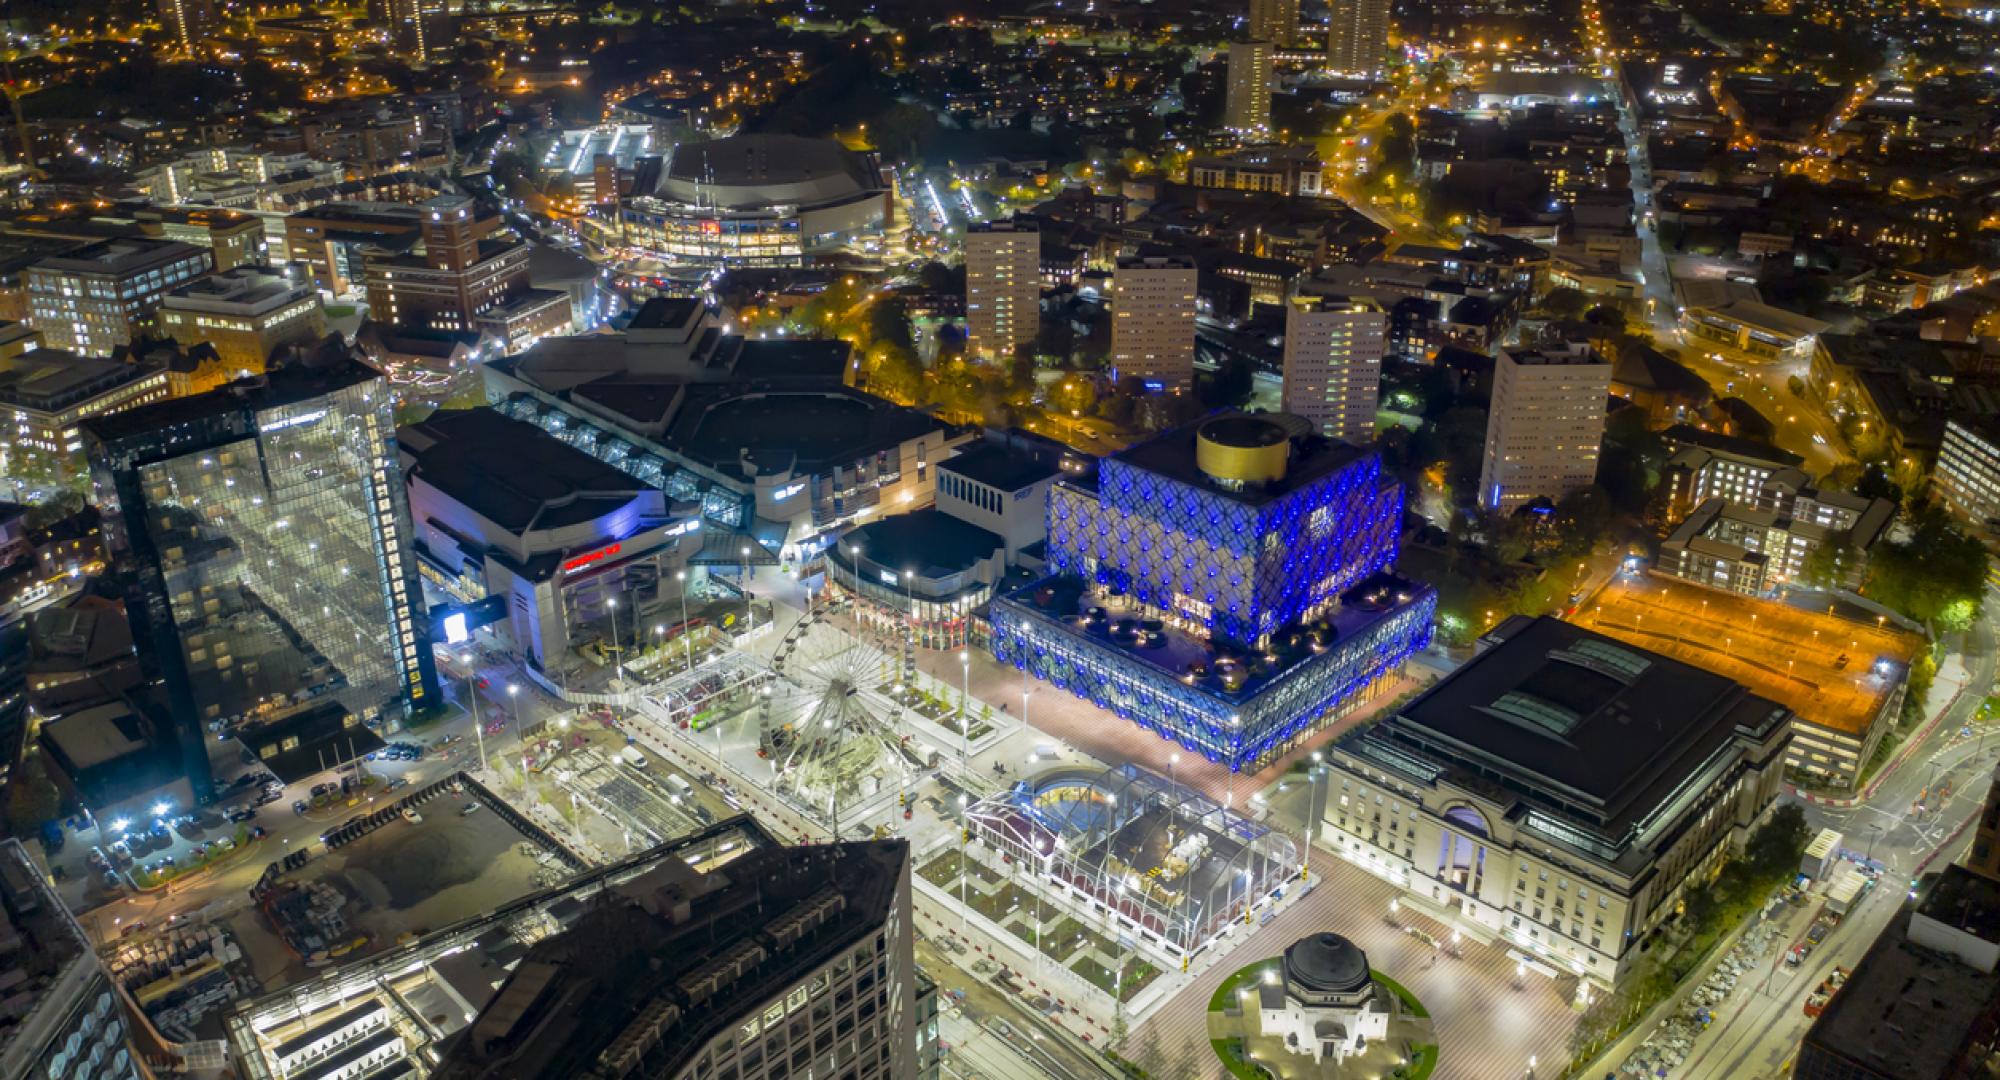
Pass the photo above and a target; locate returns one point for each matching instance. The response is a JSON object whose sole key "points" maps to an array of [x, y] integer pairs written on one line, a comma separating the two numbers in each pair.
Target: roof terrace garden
{"points": [[1235, 671]]}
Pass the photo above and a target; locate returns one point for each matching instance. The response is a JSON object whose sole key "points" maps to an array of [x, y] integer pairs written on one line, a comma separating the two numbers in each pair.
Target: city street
{"points": [[1758, 1029]]}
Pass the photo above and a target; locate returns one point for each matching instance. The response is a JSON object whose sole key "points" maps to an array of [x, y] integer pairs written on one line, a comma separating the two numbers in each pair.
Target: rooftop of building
{"points": [[83, 633], [511, 472], [322, 369], [1830, 670], [1907, 1010], [671, 342], [668, 961], [1964, 900], [246, 290], [734, 428], [1882, 351], [97, 735], [998, 467], [758, 170], [1761, 316], [364, 212], [50, 380], [1271, 155], [119, 256], [928, 542], [1872, 518], [1603, 732], [1685, 435], [665, 312], [1647, 369], [1173, 454], [1228, 671], [1576, 357]]}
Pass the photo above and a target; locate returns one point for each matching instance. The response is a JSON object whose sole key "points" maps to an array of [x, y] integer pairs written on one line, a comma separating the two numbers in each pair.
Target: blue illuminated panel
{"points": [[1251, 572], [1302, 699], [1252, 568]]}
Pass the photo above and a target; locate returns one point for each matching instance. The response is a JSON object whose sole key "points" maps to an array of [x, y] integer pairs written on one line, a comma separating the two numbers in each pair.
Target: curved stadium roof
{"points": [[748, 172]]}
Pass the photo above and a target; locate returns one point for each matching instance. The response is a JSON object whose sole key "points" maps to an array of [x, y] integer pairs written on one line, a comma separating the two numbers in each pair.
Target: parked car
{"points": [[468, 808]]}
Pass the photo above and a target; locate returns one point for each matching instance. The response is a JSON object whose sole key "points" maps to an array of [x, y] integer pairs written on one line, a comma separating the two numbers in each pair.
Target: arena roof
{"points": [[749, 172], [809, 429], [512, 472]]}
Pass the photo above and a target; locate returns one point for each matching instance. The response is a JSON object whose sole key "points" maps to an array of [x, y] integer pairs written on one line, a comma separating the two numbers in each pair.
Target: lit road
{"points": [[1803, 427], [1758, 1029]]}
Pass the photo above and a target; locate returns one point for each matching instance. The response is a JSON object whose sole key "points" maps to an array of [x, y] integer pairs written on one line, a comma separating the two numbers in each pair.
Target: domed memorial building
{"points": [[1324, 1003]]}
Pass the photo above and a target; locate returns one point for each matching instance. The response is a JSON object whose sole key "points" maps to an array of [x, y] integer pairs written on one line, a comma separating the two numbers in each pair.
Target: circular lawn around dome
{"points": [[1424, 1056]]}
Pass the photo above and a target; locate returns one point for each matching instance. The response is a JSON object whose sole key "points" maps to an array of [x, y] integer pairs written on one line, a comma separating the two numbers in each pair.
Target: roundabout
{"points": [[1319, 1012]]}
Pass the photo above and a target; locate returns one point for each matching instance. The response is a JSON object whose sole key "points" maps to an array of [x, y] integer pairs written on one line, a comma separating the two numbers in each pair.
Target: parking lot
{"points": [[1832, 670]]}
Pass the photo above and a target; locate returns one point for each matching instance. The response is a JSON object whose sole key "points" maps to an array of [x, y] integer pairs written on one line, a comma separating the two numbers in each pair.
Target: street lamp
{"points": [[472, 695], [687, 646], [749, 616], [964, 867], [910, 627], [514, 713], [617, 648], [965, 706]]}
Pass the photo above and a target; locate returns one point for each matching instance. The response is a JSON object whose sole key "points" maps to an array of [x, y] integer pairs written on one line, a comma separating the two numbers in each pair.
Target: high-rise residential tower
{"points": [[1333, 363], [187, 22], [1247, 100], [1545, 425], [1152, 321], [262, 534], [423, 28], [1003, 289], [1358, 39], [1275, 21]]}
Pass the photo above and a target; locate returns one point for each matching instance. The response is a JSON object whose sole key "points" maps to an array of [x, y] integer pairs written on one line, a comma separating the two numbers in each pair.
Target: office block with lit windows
{"points": [[262, 535]]}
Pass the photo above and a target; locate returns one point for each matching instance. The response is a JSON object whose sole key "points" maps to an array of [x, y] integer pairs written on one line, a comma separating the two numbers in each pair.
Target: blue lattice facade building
{"points": [[1225, 585]]}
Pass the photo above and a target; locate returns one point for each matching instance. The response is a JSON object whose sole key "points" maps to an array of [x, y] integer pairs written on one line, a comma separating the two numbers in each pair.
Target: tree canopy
{"points": [[1937, 576]]}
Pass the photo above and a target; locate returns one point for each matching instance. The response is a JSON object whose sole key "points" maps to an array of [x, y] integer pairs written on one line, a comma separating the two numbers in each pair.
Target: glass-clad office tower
{"points": [[263, 534]]}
